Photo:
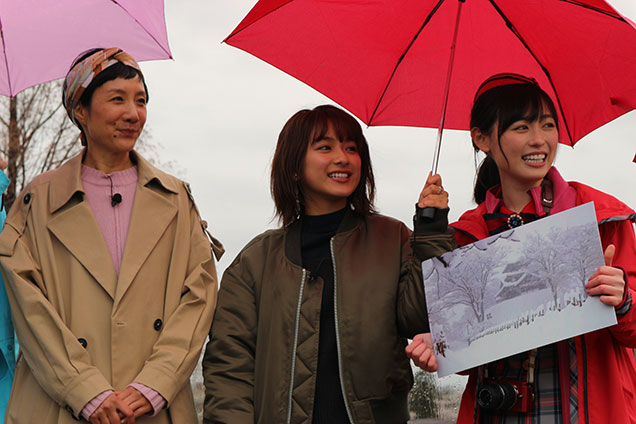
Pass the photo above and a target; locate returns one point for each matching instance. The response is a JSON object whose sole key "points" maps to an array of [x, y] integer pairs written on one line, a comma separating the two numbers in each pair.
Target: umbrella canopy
{"points": [[387, 62], [40, 38]]}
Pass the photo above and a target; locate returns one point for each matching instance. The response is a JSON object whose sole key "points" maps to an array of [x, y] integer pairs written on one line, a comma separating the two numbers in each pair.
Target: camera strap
{"points": [[547, 196], [532, 357]]}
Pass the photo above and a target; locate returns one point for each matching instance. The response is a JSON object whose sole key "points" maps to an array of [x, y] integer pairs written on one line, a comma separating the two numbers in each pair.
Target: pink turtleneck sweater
{"points": [[113, 221]]}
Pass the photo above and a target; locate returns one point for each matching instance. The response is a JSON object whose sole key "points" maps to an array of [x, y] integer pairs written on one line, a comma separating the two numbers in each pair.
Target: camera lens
{"points": [[501, 395]]}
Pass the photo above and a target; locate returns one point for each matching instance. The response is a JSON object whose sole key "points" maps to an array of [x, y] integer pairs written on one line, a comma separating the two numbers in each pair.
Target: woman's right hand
{"points": [[138, 402], [433, 194], [113, 410], [420, 350]]}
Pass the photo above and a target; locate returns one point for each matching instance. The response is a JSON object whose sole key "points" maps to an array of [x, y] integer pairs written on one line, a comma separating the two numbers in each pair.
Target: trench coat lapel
{"points": [[152, 213], [75, 225]]}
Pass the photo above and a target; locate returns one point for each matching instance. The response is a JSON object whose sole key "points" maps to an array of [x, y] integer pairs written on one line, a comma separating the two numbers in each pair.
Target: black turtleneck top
{"points": [[316, 234]]}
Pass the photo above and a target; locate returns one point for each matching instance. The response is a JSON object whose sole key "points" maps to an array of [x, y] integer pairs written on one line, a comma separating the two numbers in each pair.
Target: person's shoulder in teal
{"points": [[8, 342]]}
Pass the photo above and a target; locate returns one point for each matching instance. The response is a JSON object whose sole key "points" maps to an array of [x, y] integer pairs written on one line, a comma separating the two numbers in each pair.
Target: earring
{"points": [[297, 199]]}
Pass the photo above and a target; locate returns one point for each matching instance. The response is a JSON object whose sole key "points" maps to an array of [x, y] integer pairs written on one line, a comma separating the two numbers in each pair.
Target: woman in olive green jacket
{"points": [[312, 318]]}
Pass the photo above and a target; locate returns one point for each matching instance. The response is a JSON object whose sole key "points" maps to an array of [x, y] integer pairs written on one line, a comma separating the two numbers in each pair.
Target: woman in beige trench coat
{"points": [[118, 330]]}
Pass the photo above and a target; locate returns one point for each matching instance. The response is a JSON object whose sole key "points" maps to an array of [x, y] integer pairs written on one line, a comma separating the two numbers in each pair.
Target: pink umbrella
{"points": [[40, 38], [391, 62]]}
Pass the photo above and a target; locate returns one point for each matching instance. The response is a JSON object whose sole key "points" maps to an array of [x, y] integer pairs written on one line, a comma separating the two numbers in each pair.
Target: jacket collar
{"points": [[69, 180], [292, 235], [75, 226], [564, 195]]}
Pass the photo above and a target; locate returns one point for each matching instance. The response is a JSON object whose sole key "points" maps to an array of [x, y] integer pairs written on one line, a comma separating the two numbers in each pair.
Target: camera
{"points": [[502, 394]]}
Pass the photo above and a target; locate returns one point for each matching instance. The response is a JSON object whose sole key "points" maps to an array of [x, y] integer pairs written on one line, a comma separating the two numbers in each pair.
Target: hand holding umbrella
{"points": [[433, 194]]}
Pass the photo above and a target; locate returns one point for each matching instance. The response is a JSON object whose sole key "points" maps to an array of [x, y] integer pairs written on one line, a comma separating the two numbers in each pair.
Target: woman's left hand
{"points": [[433, 194], [137, 402], [607, 282]]}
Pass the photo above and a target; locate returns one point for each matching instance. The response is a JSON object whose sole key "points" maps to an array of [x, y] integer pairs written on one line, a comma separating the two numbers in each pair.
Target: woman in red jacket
{"points": [[586, 379]]}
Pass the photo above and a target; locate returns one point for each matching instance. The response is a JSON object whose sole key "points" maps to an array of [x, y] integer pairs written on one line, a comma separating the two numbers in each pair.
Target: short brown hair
{"points": [[302, 129]]}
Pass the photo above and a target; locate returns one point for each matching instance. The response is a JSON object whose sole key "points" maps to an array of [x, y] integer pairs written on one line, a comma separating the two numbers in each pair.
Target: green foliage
{"points": [[425, 395]]}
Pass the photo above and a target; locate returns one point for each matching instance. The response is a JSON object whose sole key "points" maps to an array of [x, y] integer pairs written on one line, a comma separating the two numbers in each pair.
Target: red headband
{"points": [[499, 80]]}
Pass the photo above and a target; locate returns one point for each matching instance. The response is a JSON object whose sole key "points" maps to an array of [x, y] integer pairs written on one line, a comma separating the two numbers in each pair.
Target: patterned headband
{"points": [[503, 79], [83, 73]]}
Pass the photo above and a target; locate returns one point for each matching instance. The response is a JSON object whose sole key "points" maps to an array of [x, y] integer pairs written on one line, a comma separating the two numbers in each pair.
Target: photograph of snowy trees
{"points": [[515, 291]]}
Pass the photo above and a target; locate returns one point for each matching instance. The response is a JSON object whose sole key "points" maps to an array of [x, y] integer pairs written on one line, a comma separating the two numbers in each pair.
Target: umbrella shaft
{"points": [[438, 146], [451, 61]]}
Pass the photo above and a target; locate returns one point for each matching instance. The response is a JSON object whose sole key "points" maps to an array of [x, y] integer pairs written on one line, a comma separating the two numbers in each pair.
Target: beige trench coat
{"points": [[82, 329]]}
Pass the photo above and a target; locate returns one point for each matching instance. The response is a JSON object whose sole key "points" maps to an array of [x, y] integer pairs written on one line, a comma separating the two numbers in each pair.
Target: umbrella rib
{"points": [[417, 34], [512, 29], [6, 62], [147, 32], [247, 26], [596, 9]]}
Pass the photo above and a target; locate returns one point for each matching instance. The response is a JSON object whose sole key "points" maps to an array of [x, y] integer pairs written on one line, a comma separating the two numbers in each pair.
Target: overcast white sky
{"points": [[217, 112]]}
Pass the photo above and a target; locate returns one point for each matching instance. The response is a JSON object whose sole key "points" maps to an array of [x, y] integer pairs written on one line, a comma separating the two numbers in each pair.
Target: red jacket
{"points": [[605, 359]]}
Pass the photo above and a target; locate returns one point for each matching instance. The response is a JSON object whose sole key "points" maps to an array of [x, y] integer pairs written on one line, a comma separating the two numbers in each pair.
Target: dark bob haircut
{"points": [[302, 129], [497, 109]]}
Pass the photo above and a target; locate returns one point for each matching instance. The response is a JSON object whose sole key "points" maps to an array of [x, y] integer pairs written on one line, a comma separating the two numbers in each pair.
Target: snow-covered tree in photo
{"points": [[585, 257], [547, 260], [439, 315], [470, 282], [431, 271]]}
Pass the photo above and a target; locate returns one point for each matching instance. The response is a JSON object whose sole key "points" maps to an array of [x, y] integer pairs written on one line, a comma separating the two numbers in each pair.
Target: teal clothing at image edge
{"points": [[8, 342]]}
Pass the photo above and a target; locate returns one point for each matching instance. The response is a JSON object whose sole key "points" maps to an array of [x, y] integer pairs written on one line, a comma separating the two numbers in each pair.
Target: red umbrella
{"points": [[391, 62]]}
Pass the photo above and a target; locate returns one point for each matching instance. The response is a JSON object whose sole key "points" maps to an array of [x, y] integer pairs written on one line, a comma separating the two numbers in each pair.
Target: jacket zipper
{"points": [[293, 358], [335, 311]]}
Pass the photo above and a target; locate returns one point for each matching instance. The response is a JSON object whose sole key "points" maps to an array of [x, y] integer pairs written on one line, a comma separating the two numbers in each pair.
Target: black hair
{"points": [[117, 70], [502, 106]]}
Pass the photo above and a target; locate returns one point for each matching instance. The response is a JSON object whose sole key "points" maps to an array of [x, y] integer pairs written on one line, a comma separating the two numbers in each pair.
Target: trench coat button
{"points": [[158, 324], [70, 411], [83, 342], [27, 198]]}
